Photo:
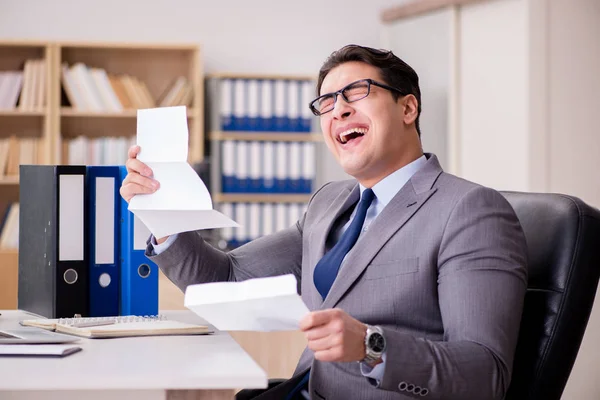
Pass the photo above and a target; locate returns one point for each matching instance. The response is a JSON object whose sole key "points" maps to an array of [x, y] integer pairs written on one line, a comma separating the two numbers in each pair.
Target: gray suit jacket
{"points": [[442, 269]]}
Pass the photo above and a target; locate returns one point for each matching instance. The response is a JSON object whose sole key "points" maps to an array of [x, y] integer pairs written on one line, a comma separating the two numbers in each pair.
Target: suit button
{"points": [[424, 392], [402, 386], [410, 388], [417, 390]]}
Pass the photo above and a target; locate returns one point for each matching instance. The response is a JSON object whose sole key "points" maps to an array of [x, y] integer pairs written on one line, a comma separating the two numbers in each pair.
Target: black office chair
{"points": [[563, 238]]}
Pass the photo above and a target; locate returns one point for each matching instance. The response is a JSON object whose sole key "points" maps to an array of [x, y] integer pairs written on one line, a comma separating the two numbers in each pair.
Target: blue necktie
{"points": [[329, 265], [327, 268]]}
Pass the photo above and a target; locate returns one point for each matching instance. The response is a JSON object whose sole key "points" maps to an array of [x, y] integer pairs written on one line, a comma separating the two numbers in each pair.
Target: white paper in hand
{"points": [[182, 203], [261, 304]]}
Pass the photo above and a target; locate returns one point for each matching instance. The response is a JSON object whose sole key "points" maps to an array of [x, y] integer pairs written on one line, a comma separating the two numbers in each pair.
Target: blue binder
{"points": [[226, 110], [306, 116], [267, 107], [228, 155], [104, 266], [139, 275]]}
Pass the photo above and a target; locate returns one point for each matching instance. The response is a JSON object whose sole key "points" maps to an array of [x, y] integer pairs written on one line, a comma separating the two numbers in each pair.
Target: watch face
{"points": [[376, 342]]}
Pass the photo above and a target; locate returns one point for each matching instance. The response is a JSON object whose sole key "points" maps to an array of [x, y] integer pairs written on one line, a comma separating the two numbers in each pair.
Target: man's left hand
{"points": [[333, 335]]}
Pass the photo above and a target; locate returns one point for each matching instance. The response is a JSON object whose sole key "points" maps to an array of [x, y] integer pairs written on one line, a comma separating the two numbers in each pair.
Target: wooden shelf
{"points": [[129, 45], [260, 198], [9, 252], [72, 112], [131, 113], [9, 180], [9, 278], [267, 136], [232, 75], [35, 120], [419, 7], [9, 189], [23, 43], [22, 113]]}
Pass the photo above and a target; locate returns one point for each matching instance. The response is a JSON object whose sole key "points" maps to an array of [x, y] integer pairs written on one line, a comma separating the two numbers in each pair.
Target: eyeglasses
{"points": [[353, 92]]}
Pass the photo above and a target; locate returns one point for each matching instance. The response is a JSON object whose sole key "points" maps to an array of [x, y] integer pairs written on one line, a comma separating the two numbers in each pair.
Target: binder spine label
{"points": [[71, 218], [105, 221]]}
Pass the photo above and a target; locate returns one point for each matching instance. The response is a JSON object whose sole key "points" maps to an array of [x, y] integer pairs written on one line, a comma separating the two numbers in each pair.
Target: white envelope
{"points": [[260, 304], [182, 203]]}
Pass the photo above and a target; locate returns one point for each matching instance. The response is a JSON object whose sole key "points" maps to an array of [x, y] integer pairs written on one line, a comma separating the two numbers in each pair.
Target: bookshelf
{"points": [[25, 136], [156, 67], [27, 116], [263, 143], [53, 121], [50, 119]]}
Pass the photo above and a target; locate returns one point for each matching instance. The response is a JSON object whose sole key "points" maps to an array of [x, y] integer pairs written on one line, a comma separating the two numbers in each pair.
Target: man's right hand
{"points": [[139, 179]]}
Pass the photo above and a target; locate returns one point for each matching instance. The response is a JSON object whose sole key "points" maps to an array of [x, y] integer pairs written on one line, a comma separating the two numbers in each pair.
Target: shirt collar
{"points": [[386, 189]]}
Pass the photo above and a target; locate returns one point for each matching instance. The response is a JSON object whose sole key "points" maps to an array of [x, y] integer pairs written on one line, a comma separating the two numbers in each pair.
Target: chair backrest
{"points": [[563, 238]]}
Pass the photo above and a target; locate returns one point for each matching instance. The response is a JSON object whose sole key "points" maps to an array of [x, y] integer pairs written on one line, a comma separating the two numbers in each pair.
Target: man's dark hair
{"points": [[394, 72]]}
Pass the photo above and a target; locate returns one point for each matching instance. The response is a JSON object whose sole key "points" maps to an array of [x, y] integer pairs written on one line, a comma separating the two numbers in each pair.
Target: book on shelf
{"points": [[5, 144], [15, 151], [24, 89], [9, 226], [180, 92], [106, 150], [11, 83], [122, 326], [89, 88]]}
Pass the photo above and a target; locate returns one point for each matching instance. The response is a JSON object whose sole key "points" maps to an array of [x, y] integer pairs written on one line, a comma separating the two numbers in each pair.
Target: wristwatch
{"points": [[374, 344]]}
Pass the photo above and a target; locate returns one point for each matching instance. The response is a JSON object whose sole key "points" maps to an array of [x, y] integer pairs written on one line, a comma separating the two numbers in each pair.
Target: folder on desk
{"points": [[139, 275], [104, 266], [53, 270]]}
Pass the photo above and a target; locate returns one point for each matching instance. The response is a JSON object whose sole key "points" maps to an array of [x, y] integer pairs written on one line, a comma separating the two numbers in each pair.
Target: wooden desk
{"points": [[149, 368]]}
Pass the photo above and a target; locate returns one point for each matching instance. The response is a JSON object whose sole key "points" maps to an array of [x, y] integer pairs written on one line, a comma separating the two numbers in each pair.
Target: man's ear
{"points": [[411, 109]]}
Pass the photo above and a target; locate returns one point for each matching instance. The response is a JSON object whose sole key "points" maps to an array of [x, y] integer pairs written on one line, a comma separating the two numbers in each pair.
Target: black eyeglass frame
{"points": [[370, 82]]}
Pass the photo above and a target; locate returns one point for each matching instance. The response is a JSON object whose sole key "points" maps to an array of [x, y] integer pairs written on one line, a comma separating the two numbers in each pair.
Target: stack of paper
{"points": [[43, 350], [261, 304], [182, 203]]}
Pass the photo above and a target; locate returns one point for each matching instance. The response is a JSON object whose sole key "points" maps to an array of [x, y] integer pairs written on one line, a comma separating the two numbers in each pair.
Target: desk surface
{"points": [[161, 362]]}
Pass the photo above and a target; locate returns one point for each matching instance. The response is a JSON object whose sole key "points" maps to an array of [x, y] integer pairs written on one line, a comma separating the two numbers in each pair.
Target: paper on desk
{"points": [[58, 350], [260, 304], [182, 203]]}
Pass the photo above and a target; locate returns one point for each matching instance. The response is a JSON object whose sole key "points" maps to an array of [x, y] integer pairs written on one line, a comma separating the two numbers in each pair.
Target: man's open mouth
{"points": [[350, 134]]}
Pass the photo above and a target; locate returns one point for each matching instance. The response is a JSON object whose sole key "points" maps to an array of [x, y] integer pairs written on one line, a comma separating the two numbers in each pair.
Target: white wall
{"points": [[493, 87], [429, 55], [574, 107], [574, 146], [259, 36], [256, 36], [527, 102]]}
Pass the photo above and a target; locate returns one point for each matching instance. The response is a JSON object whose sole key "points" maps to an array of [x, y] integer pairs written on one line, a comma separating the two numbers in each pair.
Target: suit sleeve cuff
{"points": [[373, 374], [155, 248]]}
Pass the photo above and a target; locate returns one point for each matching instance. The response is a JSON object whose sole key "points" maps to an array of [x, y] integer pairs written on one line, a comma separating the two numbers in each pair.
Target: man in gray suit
{"points": [[415, 278]]}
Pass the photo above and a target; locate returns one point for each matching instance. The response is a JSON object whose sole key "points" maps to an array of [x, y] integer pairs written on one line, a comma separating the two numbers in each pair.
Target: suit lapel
{"points": [[403, 206], [318, 238]]}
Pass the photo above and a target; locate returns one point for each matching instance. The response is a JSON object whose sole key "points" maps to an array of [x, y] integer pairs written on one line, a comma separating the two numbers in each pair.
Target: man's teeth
{"points": [[343, 136]]}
